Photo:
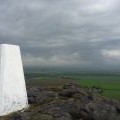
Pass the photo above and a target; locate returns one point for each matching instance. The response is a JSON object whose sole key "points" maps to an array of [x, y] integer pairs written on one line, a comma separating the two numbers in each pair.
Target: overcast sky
{"points": [[79, 33]]}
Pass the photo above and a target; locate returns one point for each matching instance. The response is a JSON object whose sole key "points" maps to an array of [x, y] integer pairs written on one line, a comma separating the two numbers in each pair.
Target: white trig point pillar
{"points": [[13, 96]]}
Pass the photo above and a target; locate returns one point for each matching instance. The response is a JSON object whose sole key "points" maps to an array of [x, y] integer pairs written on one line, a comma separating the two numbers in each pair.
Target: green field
{"points": [[110, 83]]}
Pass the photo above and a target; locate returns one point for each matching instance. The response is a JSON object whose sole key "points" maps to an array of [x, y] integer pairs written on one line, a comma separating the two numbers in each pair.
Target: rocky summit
{"points": [[69, 102]]}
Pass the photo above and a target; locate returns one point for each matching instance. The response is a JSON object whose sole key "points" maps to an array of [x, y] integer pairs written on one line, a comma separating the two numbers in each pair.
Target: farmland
{"points": [[109, 83]]}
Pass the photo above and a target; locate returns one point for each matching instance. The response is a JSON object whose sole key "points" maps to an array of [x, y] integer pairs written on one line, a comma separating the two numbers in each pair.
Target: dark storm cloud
{"points": [[63, 33]]}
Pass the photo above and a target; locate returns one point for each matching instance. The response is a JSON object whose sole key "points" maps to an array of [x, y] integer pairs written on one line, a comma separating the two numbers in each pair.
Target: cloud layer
{"points": [[75, 33]]}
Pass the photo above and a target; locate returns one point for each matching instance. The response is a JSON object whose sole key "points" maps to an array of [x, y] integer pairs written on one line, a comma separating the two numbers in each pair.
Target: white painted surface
{"points": [[13, 94]]}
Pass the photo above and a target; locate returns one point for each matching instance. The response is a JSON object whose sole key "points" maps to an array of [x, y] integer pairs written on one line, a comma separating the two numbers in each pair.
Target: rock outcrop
{"points": [[71, 102]]}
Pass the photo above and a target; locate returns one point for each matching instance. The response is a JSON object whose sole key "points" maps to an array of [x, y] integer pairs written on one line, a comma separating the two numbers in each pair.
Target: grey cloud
{"points": [[64, 33]]}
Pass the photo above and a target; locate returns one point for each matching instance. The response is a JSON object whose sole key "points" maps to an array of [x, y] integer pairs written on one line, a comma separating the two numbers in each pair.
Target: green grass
{"points": [[103, 81], [113, 94], [109, 83]]}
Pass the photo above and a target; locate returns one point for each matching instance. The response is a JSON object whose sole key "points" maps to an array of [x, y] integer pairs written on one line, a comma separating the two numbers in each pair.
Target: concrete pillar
{"points": [[13, 96]]}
